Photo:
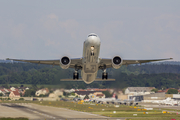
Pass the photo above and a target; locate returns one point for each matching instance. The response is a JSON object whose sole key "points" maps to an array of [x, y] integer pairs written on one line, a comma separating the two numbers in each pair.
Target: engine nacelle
{"points": [[117, 62], [65, 62]]}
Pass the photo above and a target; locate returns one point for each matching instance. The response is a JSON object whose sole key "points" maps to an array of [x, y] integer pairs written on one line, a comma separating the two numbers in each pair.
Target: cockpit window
{"points": [[92, 35]]}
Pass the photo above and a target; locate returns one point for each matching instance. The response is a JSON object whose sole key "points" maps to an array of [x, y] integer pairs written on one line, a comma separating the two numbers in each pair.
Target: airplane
{"points": [[105, 100], [126, 102], [90, 62]]}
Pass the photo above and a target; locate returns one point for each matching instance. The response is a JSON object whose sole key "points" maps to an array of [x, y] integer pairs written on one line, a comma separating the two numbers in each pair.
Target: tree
{"points": [[1, 94], [66, 94], [107, 94], [21, 98], [86, 97], [81, 86], [42, 95], [29, 93], [172, 91], [7, 93], [73, 94], [5, 86], [154, 90]]}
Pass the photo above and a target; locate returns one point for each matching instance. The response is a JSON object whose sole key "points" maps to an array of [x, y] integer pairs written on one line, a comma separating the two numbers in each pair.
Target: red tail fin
{"points": [[114, 95]]}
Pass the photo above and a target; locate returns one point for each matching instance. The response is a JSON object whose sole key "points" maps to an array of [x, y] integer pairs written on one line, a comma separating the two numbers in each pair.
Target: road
{"points": [[34, 111]]}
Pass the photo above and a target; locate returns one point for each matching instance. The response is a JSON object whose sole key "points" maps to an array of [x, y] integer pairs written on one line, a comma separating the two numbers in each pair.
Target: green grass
{"points": [[107, 110], [155, 118]]}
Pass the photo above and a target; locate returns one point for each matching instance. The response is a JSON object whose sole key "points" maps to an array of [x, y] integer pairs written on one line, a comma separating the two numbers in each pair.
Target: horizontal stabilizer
{"points": [[110, 79], [97, 79], [71, 80]]}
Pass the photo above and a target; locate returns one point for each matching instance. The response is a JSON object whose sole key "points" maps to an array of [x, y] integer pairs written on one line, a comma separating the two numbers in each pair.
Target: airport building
{"points": [[138, 90]]}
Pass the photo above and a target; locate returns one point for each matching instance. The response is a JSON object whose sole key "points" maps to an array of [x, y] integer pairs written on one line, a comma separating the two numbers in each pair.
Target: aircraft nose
{"points": [[94, 40]]}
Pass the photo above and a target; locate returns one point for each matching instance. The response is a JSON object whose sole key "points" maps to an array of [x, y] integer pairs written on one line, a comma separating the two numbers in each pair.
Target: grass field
{"points": [[111, 110]]}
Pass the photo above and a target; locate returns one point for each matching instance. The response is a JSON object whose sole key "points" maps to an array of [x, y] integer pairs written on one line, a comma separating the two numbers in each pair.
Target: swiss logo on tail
{"points": [[114, 95]]}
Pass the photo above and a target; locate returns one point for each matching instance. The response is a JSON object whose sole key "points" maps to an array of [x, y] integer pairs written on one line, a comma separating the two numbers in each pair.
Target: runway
{"points": [[38, 112]]}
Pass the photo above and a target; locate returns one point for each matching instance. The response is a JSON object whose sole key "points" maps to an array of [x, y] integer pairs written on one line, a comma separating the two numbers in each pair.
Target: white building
{"points": [[42, 91], [13, 89], [138, 90], [56, 93]]}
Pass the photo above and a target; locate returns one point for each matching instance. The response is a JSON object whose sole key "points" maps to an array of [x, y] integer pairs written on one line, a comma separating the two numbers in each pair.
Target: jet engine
{"points": [[117, 62], [65, 62]]}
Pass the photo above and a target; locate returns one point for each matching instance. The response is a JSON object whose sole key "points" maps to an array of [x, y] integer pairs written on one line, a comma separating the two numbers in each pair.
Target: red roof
{"points": [[100, 95], [16, 92], [2, 90], [166, 90], [92, 89], [8, 90]]}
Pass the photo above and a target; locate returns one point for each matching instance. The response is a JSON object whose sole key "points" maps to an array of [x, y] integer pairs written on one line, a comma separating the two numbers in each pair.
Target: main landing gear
{"points": [[76, 75], [92, 53], [104, 74]]}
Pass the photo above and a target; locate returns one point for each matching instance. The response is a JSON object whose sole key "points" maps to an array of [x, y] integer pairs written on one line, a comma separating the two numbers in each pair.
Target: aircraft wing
{"points": [[108, 62], [75, 61]]}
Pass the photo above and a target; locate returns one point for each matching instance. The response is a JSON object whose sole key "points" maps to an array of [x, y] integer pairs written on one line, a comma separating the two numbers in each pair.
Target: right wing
{"points": [[74, 62]]}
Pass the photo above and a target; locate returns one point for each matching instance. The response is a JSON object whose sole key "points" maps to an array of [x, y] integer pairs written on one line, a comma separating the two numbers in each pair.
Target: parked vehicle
{"points": [[76, 99]]}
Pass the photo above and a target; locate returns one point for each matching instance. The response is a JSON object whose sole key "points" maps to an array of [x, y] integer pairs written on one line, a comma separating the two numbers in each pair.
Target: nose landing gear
{"points": [[92, 53], [92, 50]]}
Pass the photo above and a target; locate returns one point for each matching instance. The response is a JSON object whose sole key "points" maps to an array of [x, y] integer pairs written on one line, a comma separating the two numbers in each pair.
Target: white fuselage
{"points": [[90, 58]]}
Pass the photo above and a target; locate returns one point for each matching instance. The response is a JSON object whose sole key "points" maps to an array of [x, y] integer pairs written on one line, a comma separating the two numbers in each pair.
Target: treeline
{"points": [[159, 76]]}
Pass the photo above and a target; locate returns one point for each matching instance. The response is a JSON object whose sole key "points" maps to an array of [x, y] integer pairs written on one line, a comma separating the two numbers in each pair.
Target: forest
{"points": [[146, 75]]}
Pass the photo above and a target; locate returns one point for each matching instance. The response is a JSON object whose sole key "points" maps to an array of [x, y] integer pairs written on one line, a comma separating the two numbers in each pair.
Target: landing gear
{"points": [[104, 75], [92, 53], [92, 50], [76, 75]]}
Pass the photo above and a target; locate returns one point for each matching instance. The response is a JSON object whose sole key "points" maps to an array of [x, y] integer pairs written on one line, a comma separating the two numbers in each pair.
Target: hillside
{"points": [[156, 75]]}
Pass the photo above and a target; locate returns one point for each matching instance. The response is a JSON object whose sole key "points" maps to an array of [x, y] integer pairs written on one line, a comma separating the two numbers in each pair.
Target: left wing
{"points": [[76, 61], [108, 62]]}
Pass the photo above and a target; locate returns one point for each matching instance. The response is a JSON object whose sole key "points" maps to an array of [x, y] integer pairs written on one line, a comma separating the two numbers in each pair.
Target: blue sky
{"points": [[44, 29]]}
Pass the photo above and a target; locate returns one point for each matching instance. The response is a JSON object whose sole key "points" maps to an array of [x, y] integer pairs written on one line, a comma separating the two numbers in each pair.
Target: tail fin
{"points": [[114, 95], [134, 98]]}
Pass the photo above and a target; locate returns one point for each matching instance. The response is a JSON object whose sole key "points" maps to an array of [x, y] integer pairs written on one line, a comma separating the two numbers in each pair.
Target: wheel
{"points": [[92, 53], [74, 77], [103, 76], [106, 76], [77, 76]]}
